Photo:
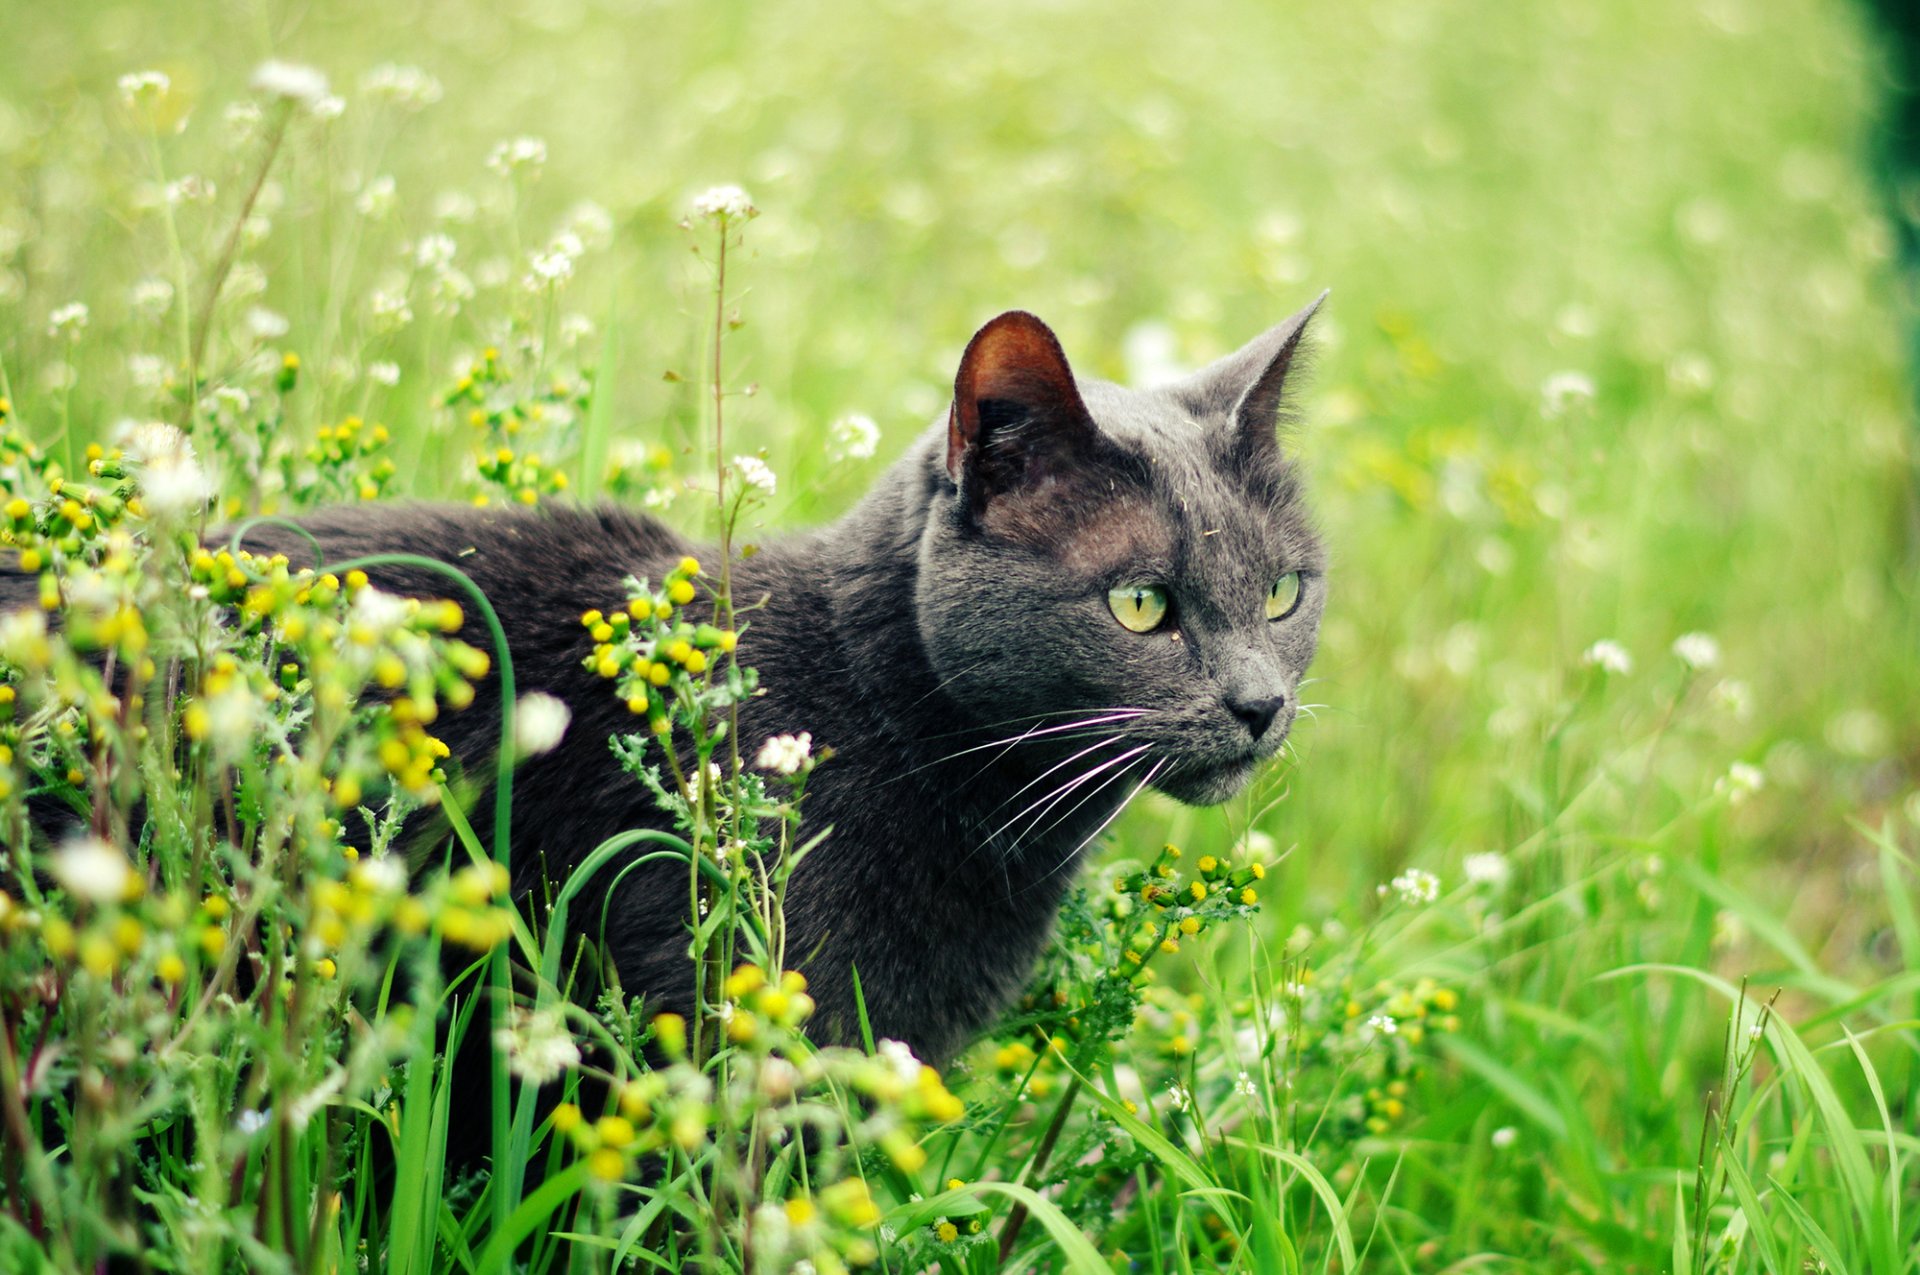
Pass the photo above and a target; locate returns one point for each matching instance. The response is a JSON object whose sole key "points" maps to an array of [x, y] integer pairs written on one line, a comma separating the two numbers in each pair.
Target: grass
{"points": [[1686, 1013]]}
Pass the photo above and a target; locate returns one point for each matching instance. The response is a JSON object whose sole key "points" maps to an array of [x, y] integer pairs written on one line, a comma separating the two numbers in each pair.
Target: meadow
{"points": [[1579, 931]]}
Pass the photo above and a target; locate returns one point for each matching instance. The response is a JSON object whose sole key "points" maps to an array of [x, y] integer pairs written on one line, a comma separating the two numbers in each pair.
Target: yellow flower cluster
{"points": [[649, 651], [524, 475], [337, 450], [1174, 905]]}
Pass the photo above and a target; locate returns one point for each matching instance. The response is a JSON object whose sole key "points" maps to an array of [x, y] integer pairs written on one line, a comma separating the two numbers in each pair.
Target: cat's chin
{"points": [[1201, 785]]}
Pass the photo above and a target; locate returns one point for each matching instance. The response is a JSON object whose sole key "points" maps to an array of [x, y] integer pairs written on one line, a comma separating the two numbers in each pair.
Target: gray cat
{"points": [[1064, 592]]}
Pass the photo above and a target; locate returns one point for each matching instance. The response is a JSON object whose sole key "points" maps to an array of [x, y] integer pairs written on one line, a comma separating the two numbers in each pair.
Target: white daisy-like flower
{"points": [[92, 869], [537, 1045], [728, 203], [144, 86], [408, 87], [69, 320], [516, 155], [376, 199], [1697, 650], [152, 297], [1742, 780], [786, 754], [855, 437], [1414, 886], [756, 473], [539, 720], [1490, 868], [1565, 390], [290, 80], [1608, 656]]}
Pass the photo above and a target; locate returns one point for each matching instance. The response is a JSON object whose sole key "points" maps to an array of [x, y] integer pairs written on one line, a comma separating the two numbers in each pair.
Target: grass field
{"points": [[1611, 357]]}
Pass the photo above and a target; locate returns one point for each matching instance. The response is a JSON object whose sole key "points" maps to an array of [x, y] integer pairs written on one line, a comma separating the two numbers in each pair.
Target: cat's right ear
{"points": [[1246, 388], [1017, 423]]}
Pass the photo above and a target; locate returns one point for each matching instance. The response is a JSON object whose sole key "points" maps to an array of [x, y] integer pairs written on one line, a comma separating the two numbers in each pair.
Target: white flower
{"points": [[376, 200], [245, 280], [1490, 868], [575, 328], [380, 874], [250, 1121], [537, 1045], [379, 610], [291, 81], [1414, 886], [142, 86], [145, 442], [1742, 780], [1179, 1096], [1504, 1137], [590, 223], [539, 721], [91, 869], [69, 320], [384, 373], [756, 473], [146, 371], [191, 189], [1608, 656], [1697, 650], [243, 121], [390, 310], [1564, 390], [855, 437], [548, 269], [509, 157], [408, 87], [328, 106], [1735, 697], [1384, 1024], [724, 202], [152, 297], [435, 252], [1245, 1087], [900, 1057], [229, 400], [265, 324], [786, 754]]}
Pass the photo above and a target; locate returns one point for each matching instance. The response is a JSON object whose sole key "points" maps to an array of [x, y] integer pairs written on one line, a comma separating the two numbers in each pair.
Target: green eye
{"points": [[1140, 607], [1284, 596]]}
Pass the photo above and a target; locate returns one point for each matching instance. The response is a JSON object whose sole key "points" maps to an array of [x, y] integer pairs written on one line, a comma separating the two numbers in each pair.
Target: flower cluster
{"points": [[649, 650]]}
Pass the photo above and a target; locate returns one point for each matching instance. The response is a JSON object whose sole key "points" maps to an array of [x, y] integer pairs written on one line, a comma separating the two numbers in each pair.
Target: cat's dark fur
{"points": [[962, 603]]}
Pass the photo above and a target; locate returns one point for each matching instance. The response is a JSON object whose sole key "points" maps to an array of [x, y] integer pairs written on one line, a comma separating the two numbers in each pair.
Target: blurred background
{"points": [[1614, 350]]}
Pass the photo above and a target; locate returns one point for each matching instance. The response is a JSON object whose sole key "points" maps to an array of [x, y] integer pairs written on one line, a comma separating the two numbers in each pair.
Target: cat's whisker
{"points": [[1061, 818], [1074, 855], [1111, 739], [1013, 741], [1048, 801], [1028, 717]]}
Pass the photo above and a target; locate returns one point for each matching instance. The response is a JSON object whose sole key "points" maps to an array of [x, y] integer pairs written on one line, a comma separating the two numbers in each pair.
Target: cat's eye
{"points": [[1140, 607], [1284, 597]]}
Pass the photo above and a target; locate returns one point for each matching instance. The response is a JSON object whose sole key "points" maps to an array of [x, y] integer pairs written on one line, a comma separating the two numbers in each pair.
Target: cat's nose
{"points": [[1257, 712]]}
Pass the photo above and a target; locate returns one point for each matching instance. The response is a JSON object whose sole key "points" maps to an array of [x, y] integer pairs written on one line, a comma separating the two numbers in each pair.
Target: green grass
{"points": [[1665, 199]]}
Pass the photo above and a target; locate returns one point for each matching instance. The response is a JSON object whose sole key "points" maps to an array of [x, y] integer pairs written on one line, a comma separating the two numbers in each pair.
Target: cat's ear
{"points": [[1017, 421], [1246, 386]]}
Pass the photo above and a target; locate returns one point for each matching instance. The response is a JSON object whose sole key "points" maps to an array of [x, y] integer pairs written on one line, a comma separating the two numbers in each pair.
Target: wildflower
{"points": [[1490, 868], [1741, 781], [384, 373], [855, 437], [1697, 650], [250, 1121], [550, 268], [756, 473], [786, 754], [1245, 1087], [291, 82], [1179, 1097], [1564, 390], [265, 324], [407, 87], [68, 321], [1414, 886], [1504, 1137], [537, 1045], [152, 297], [1383, 1024], [96, 871], [1735, 698], [144, 86], [510, 157], [329, 106], [376, 200], [539, 722], [435, 252], [727, 203], [389, 309], [1608, 656]]}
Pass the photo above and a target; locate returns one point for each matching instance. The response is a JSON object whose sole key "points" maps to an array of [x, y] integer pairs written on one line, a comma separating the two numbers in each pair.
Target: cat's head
{"points": [[1136, 560]]}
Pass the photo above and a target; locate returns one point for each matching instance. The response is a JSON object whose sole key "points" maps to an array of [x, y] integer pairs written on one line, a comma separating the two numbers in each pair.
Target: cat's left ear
{"points": [[1246, 386]]}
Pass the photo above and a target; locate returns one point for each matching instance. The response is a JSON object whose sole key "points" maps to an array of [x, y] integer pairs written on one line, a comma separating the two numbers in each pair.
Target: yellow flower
{"points": [[1248, 897], [800, 1210], [170, 968], [680, 592], [565, 1118], [689, 566], [1189, 925], [607, 1165], [1198, 890], [947, 1232], [615, 1131]]}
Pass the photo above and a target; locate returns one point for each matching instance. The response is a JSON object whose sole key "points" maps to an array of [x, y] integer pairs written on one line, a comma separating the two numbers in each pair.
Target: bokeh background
{"points": [[1614, 351]]}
